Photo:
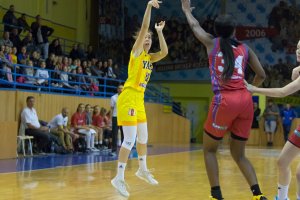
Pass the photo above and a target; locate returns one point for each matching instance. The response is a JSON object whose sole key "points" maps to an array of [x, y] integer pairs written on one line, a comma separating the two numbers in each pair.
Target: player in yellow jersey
{"points": [[130, 106], [131, 110]]}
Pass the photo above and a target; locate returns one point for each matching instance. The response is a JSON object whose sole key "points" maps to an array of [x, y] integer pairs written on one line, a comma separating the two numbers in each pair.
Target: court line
{"points": [[76, 165]]}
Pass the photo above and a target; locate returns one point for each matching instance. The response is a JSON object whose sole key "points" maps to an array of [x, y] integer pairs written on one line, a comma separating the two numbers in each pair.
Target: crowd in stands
{"points": [[284, 17], [89, 130], [36, 61], [182, 44]]}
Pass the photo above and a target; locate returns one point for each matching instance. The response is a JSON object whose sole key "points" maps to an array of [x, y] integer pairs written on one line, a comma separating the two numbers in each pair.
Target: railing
{"points": [[106, 86]]}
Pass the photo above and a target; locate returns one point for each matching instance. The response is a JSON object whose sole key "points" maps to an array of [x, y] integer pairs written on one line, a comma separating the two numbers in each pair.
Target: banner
{"points": [[254, 32]]}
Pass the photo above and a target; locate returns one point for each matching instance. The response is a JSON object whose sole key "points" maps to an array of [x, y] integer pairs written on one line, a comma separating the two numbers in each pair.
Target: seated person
{"points": [[78, 125], [42, 74], [30, 121], [58, 127], [98, 122]]}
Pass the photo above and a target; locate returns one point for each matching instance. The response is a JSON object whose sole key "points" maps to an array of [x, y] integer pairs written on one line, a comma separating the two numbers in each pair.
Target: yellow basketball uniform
{"points": [[130, 105]]}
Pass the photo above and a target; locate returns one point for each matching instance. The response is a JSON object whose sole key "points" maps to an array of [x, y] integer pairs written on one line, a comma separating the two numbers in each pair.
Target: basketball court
{"points": [[180, 171]]}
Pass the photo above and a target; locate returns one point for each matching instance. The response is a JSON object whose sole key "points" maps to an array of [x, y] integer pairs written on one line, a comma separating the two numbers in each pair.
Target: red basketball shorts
{"points": [[230, 111], [294, 138]]}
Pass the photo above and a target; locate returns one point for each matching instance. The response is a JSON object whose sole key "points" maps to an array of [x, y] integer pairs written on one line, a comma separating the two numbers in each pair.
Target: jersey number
{"points": [[237, 65], [147, 77]]}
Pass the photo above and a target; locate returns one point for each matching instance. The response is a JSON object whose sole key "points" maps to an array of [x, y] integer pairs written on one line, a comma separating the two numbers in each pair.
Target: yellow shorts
{"points": [[131, 108]]}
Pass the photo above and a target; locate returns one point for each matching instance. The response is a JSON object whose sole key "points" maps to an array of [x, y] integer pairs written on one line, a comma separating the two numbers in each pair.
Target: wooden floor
{"points": [[181, 176]]}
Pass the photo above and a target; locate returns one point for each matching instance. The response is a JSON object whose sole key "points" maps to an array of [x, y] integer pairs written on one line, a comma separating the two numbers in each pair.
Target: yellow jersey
{"points": [[139, 71]]}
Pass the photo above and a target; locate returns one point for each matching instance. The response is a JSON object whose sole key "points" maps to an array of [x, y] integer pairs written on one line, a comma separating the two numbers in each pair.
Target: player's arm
{"points": [[255, 65], [199, 32], [155, 57], [276, 92], [138, 45]]}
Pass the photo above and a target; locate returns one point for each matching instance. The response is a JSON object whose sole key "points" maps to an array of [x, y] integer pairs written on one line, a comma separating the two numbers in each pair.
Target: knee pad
{"points": [[129, 137], [142, 136]]}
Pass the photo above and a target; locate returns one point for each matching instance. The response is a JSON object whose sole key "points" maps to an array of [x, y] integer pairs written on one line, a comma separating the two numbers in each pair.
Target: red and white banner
{"points": [[253, 32]]}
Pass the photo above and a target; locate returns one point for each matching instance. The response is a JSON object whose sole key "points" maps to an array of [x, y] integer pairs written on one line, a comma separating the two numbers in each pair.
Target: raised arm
{"points": [[155, 57], [138, 45], [255, 65], [199, 32], [276, 92]]}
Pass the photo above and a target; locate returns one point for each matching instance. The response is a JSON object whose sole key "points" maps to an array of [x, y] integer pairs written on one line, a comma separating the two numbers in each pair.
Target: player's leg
{"points": [[216, 125], [287, 155], [127, 117], [210, 146], [141, 144]]}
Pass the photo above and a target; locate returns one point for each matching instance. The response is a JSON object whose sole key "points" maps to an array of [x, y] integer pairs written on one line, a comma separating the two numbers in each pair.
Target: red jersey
{"points": [[216, 66], [78, 119], [98, 121]]}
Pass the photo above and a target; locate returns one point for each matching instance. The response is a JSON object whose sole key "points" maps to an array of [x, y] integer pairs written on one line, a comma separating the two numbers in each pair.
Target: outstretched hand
{"points": [[160, 26], [186, 6], [154, 3]]}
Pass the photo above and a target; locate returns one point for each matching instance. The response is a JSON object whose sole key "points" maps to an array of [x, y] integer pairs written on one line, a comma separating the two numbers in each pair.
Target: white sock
{"points": [[121, 170], [100, 142], [142, 162], [283, 192]]}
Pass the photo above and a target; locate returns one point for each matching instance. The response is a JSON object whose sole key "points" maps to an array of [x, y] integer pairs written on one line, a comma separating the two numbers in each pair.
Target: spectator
{"points": [[73, 65], [89, 121], [50, 62], [9, 19], [28, 42], [64, 77], [116, 71], [22, 23], [271, 115], [30, 121], [42, 74], [90, 53], [15, 39], [108, 128], [115, 127], [55, 47], [6, 41], [256, 109], [40, 35], [98, 122], [74, 54], [6, 67], [96, 70], [287, 115], [78, 123], [73, 78], [13, 55], [28, 71], [81, 52], [105, 69], [35, 58], [81, 79], [110, 72], [59, 127], [23, 56]]}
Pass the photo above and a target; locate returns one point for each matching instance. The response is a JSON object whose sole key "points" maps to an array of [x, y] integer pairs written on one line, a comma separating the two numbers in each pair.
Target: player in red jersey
{"points": [[231, 108], [291, 148]]}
